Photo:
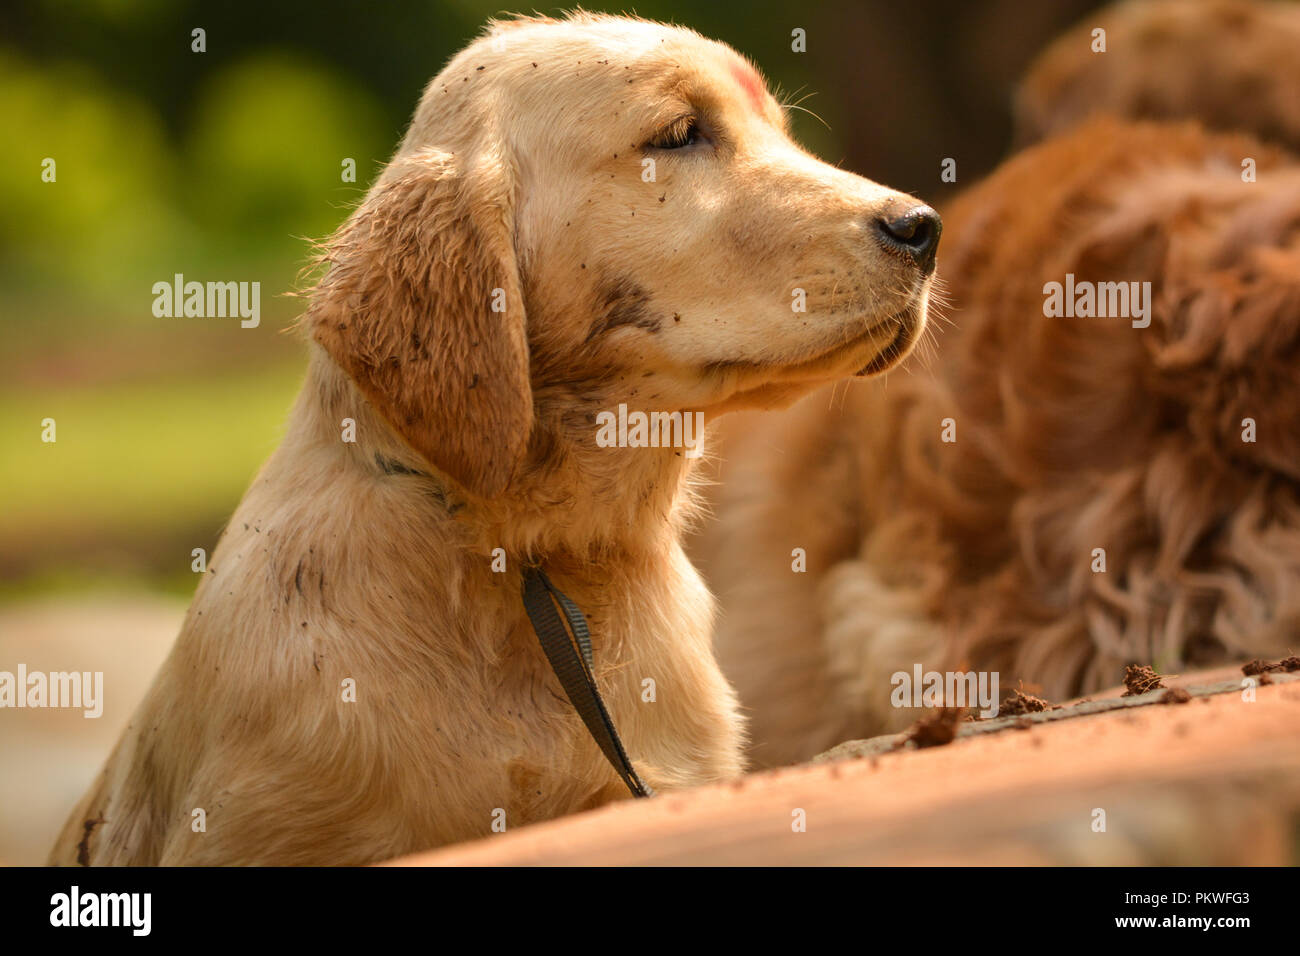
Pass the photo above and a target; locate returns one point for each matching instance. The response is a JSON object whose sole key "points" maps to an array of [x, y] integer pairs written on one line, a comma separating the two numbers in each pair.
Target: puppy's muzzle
{"points": [[913, 233]]}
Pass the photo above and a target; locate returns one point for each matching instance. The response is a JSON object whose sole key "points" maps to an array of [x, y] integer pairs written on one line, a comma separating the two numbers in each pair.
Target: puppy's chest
{"points": [[530, 681], [631, 658]]}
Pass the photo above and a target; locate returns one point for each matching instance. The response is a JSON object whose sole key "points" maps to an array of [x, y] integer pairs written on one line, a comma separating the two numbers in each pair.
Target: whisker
{"points": [[792, 106]]}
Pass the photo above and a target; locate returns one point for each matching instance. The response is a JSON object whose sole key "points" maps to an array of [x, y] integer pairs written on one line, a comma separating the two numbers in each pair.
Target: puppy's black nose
{"points": [[915, 233]]}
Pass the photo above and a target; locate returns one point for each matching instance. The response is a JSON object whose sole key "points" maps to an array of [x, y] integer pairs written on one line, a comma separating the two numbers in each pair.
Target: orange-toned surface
{"points": [[1212, 781]]}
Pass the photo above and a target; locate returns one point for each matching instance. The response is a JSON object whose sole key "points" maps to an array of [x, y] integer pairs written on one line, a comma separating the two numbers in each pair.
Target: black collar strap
{"points": [[576, 671]]}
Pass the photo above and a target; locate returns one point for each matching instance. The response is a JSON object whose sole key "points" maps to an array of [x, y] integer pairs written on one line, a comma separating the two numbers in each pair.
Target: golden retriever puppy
{"points": [[1231, 64], [1059, 495], [585, 214]]}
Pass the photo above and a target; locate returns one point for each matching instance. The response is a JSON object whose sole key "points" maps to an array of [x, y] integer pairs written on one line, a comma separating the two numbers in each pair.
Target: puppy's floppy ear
{"points": [[422, 306]]}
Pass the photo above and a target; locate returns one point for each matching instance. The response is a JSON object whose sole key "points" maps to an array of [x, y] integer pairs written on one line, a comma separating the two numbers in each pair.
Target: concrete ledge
{"points": [[1214, 780]]}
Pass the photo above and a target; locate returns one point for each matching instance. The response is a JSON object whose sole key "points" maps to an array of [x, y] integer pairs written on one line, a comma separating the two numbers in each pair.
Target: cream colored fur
{"points": [[520, 181]]}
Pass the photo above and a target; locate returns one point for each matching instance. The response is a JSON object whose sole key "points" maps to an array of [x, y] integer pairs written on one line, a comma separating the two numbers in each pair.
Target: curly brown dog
{"points": [[1231, 64], [1057, 496]]}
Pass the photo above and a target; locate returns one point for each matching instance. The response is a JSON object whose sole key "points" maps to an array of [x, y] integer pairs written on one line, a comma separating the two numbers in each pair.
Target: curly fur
{"points": [[1071, 434], [1230, 64]]}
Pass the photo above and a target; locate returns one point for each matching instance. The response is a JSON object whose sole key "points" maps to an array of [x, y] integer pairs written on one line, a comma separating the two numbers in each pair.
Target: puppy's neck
{"points": [[570, 500]]}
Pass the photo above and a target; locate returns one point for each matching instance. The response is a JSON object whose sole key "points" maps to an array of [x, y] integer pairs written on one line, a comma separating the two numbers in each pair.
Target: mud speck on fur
{"points": [[83, 846], [1175, 695], [623, 303], [1139, 679]]}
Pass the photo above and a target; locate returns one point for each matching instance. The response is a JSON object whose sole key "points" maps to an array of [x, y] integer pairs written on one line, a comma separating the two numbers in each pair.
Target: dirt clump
{"points": [[1020, 703], [937, 730], [1140, 679], [1257, 667]]}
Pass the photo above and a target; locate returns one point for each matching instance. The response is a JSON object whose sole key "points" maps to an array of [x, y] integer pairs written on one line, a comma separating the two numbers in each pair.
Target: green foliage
{"points": [[107, 210], [266, 149], [131, 455]]}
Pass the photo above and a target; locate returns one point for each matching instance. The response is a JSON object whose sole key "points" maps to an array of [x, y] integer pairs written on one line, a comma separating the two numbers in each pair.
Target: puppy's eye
{"points": [[679, 133]]}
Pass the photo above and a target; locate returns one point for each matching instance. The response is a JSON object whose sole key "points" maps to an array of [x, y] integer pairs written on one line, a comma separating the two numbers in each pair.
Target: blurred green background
{"points": [[219, 165]]}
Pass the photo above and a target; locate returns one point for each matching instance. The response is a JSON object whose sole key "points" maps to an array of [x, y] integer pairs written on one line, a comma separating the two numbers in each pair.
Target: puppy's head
{"points": [[607, 210]]}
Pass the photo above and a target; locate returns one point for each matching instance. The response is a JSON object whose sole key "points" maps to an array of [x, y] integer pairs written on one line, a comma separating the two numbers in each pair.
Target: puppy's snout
{"points": [[914, 232]]}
